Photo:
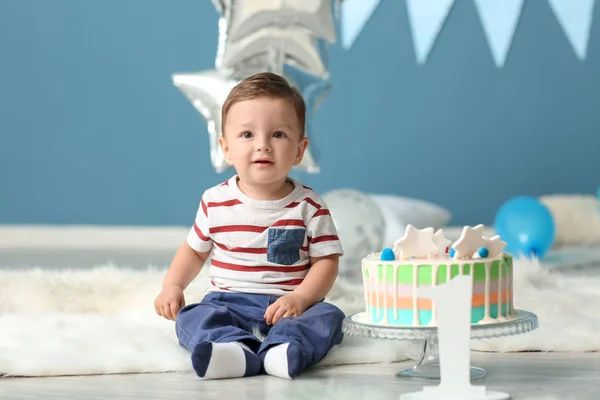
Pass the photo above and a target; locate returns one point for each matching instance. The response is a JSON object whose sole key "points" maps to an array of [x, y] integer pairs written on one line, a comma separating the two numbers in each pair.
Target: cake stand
{"points": [[427, 368]]}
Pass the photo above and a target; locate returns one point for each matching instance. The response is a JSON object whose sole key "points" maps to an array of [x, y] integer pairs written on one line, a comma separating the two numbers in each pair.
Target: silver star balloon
{"points": [[289, 33], [245, 17], [207, 91], [296, 46], [219, 6]]}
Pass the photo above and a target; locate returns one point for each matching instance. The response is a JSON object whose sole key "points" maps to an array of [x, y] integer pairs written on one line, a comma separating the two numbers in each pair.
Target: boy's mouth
{"points": [[262, 162]]}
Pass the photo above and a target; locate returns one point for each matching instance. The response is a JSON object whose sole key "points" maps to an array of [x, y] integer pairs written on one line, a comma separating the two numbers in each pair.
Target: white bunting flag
{"points": [[354, 15], [499, 20], [575, 18], [426, 19]]}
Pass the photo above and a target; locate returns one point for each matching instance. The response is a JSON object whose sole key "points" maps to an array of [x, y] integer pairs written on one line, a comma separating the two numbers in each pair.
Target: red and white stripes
{"points": [[239, 231]]}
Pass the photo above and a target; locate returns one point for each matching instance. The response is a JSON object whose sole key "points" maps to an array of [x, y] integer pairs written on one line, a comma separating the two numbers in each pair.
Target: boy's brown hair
{"points": [[266, 84]]}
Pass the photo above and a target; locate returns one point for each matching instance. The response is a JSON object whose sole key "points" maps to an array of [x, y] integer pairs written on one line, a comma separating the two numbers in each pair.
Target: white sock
{"points": [[276, 361], [227, 360]]}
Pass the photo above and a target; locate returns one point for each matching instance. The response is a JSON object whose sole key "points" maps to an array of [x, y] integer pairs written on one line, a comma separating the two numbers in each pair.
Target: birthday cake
{"points": [[424, 258]]}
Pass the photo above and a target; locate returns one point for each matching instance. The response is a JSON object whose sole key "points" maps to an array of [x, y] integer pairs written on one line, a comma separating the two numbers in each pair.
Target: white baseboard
{"points": [[44, 237], [91, 237]]}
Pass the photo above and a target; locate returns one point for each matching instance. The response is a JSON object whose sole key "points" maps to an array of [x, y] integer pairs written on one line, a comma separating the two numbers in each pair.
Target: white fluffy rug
{"points": [[102, 321]]}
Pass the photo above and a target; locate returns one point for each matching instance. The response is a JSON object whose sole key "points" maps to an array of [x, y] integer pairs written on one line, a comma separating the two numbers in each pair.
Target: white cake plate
{"points": [[427, 369]]}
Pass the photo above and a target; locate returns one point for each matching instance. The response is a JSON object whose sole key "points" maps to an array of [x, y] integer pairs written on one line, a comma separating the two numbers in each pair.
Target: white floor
{"points": [[522, 375]]}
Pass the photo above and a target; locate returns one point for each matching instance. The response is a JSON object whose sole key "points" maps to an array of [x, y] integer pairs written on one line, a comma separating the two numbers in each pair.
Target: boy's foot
{"points": [[224, 360], [283, 361]]}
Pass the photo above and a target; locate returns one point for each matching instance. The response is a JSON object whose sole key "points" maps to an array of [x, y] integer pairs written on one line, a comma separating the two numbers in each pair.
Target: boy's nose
{"points": [[264, 145]]}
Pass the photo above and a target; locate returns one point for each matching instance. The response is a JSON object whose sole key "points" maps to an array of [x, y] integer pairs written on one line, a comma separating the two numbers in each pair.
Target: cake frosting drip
{"points": [[423, 257]]}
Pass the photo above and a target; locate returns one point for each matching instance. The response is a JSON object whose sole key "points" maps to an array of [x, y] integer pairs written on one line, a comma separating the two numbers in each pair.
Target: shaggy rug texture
{"points": [[102, 321]]}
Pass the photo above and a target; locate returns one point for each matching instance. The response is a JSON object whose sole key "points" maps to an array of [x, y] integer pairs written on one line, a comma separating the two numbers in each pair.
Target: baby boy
{"points": [[273, 245]]}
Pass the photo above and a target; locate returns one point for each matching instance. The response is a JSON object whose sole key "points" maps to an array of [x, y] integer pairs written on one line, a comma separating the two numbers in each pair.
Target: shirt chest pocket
{"points": [[284, 245]]}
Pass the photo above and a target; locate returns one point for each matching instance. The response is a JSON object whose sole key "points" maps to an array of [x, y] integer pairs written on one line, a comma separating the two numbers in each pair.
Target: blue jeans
{"points": [[232, 317]]}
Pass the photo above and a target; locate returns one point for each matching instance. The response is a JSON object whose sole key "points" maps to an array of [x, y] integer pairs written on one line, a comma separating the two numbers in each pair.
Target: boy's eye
{"points": [[247, 135], [279, 134]]}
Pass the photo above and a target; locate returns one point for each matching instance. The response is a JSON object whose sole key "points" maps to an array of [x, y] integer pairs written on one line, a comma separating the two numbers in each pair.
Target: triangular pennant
{"points": [[499, 20], [575, 18], [354, 16], [426, 20]]}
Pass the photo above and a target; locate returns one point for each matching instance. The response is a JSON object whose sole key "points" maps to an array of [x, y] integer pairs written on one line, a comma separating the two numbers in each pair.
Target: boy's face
{"points": [[262, 139]]}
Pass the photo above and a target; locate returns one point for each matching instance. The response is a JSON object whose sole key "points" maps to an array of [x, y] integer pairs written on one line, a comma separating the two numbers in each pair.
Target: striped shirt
{"points": [[261, 246]]}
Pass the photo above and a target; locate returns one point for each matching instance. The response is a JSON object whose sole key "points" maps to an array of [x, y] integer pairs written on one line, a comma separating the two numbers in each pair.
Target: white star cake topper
{"points": [[441, 241], [416, 243], [470, 240], [494, 245]]}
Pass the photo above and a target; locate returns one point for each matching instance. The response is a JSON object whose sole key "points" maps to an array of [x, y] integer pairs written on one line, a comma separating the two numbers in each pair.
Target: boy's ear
{"points": [[225, 148], [301, 149]]}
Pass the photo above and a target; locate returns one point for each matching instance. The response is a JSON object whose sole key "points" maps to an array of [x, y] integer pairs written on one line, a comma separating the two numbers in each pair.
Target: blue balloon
{"points": [[526, 225]]}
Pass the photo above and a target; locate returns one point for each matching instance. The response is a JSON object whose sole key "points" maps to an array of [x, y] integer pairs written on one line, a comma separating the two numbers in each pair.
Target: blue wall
{"points": [[92, 130]]}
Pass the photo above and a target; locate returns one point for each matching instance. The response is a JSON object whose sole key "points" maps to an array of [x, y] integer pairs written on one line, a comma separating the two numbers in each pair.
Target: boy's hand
{"points": [[289, 305], [169, 302]]}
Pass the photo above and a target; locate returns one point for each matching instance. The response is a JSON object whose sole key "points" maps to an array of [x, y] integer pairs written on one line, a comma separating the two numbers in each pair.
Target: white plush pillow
{"points": [[576, 219], [399, 211]]}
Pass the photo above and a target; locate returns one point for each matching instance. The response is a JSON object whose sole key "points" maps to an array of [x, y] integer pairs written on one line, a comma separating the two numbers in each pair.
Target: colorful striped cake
{"points": [[422, 258]]}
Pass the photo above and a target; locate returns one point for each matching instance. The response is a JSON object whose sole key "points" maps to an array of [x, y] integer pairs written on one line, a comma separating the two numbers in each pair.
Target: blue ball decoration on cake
{"points": [[483, 252], [452, 251], [388, 255]]}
